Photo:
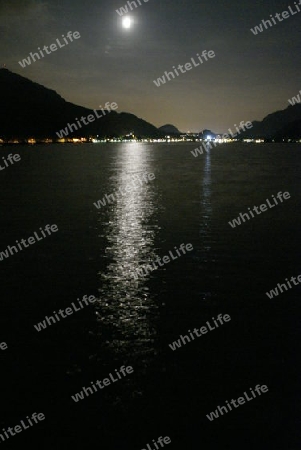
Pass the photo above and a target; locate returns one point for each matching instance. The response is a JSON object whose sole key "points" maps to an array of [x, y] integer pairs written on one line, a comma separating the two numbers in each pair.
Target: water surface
{"points": [[97, 251]]}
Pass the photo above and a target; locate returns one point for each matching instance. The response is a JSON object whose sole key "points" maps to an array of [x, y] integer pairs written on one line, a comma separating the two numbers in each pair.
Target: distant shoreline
{"points": [[77, 141]]}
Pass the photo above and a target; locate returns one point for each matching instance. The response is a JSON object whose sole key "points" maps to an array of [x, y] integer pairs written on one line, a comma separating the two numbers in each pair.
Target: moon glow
{"points": [[126, 22]]}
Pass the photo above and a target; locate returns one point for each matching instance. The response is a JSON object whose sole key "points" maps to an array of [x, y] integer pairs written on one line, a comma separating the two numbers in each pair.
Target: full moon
{"points": [[126, 22]]}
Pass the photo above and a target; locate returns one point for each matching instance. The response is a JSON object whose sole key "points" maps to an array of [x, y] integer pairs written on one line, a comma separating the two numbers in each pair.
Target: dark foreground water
{"points": [[97, 251]]}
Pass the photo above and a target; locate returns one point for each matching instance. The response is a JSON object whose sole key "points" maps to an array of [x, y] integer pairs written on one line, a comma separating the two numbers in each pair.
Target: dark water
{"points": [[97, 251]]}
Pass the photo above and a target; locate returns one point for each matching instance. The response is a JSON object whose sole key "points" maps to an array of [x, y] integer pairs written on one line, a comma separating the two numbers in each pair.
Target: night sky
{"points": [[250, 77]]}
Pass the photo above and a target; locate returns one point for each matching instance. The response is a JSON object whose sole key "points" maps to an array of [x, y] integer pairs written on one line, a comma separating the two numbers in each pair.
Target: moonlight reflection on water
{"points": [[126, 308]]}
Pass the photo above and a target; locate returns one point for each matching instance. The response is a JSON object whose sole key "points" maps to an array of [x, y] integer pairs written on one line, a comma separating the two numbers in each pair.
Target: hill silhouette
{"points": [[284, 124], [170, 129], [29, 109]]}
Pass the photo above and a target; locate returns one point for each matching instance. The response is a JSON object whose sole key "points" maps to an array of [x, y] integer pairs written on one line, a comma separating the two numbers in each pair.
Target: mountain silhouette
{"points": [[170, 129], [29, 109], [284, 124]]}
